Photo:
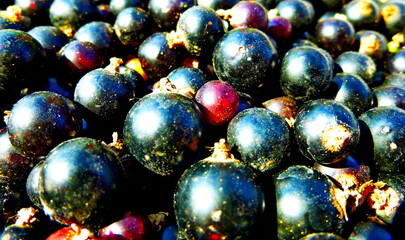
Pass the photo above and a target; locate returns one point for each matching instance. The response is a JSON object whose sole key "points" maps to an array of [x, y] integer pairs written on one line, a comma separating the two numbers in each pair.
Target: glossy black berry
{"points": [[393, 13], [22, 65], [132, 25], [218, 197], [261, 138], [80, 181], [198, 29], [357, 63], [382, 134], [161, 128], [167, 13], [40, 121], [305, 203], [326, 131], [352, 91], [245, 57], [246, 14], [106, 93], [335, 35], [305, 72], [158, 59]]}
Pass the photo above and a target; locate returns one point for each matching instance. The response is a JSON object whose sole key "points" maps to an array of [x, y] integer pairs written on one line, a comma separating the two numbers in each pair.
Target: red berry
{"points": [[218, 101]]}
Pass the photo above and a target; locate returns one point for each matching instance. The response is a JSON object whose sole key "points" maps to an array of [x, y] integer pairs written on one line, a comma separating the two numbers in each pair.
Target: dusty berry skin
{"points": [[80, 181], [130, 227], [13, 232], [157, 58], [77, 58], [389, 96], [351, 90], [382, 135], [244, 57], [69, 15], [218, 199], [201, 28], [160, 129], [167, 13], [218, 101], [261, 137], [326, 131], [335, 35], [357, 63], [326, 236], [305, 72], [106, 94], [305, 203], [132, 26], [40, 121], [23, 63], [248, 14], [299, 13]]}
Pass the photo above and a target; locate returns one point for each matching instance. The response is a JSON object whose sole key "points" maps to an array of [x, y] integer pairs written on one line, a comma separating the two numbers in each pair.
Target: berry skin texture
{"points": [[218, 197], [244, 57], [80, 181], [305, 72], [305, 203], [382, 135], [218, 101], [261, 137], [161, 128], [326, 131], [40, 121]]}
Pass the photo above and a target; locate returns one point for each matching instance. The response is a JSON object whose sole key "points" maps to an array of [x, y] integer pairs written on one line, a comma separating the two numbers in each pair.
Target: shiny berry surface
{"points": [[218, 197], [218, 101], [161, 128], [261, 137], [79, 182], [244, 57], [326, 131], [40, 121]]}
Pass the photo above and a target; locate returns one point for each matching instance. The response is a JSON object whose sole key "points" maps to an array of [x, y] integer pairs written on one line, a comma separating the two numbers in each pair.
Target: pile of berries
{"points": [[202, 119]]}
